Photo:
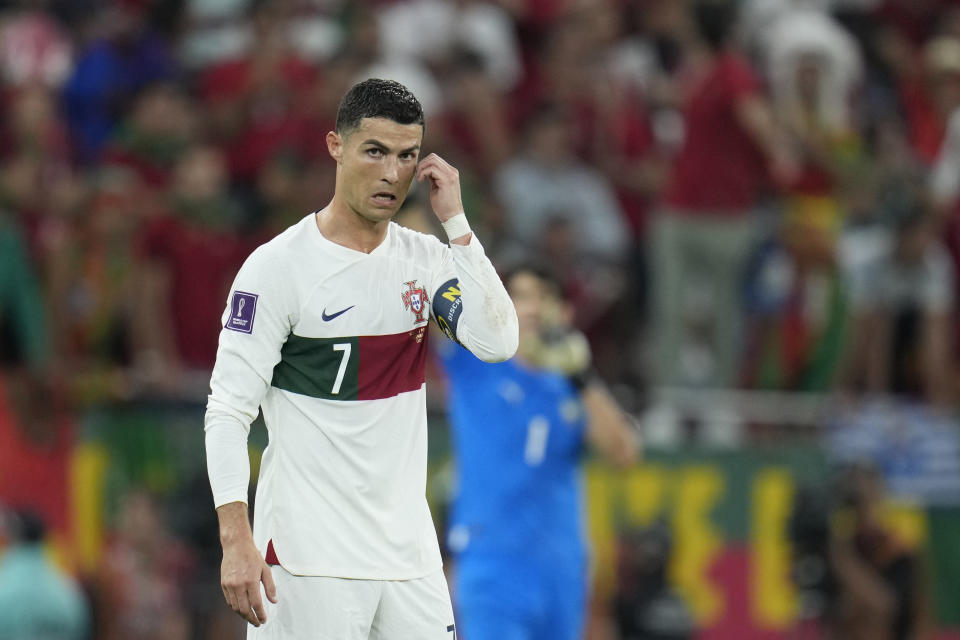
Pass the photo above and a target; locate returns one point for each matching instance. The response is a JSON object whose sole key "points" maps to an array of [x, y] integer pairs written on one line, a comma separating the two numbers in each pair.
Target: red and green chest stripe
{"points": [[353, 368]]}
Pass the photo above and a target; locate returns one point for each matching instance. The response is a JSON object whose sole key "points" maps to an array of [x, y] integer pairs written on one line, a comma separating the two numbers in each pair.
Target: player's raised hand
{"points": [[241, 572], [444, 186]]}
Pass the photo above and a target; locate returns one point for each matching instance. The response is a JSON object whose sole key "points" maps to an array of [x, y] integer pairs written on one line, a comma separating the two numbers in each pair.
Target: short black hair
{"points": [[543, 272], [27, 526], [377, 98], [715, 21]]}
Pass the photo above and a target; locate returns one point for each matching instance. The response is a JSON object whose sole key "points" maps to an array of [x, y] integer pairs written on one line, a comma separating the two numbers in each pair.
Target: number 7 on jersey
{"points": [[345, 348]]}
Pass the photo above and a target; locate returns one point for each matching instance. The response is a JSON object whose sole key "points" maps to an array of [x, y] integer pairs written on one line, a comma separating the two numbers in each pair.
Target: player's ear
{"points": [[335, 145]]}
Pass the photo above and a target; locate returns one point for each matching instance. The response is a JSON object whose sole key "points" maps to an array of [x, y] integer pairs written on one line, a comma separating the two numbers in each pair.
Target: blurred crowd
{"points": [[755, 194], [758, 194]]}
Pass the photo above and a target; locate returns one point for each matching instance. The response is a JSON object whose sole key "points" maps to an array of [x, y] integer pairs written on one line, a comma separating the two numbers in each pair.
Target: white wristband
{"points": [[456, 226]]}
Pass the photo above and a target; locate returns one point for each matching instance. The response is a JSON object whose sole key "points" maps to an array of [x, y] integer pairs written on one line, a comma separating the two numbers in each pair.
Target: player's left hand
{"points": [[444, 186]]}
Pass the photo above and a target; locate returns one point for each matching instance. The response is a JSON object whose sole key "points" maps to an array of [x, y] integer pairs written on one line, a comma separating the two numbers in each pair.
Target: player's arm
{"points": [[609, 430], [470, 302], [256, 323], [755, 115]]}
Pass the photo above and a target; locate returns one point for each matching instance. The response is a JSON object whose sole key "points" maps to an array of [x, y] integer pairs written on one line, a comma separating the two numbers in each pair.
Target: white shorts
{"points": [[321, 608]]}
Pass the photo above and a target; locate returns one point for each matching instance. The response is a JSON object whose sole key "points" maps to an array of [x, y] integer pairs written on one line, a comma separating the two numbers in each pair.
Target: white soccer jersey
{"points": [[332, 343]]}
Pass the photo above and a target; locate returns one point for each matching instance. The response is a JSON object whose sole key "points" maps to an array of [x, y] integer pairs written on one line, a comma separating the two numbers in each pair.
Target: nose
{"points": [[391, 170]]}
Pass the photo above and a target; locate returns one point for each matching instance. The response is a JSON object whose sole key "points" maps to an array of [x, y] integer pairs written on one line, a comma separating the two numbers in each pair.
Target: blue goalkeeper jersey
{"points": [[518, 436]]}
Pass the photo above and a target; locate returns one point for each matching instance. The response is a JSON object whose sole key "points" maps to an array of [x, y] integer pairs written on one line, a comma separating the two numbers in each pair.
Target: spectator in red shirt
{"points": [[930, 96], [707, 227], [36, 442], [190, 256], [161, 124], [255, 102]]}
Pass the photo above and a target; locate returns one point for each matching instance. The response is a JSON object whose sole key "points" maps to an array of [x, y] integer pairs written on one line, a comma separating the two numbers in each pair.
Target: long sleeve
{"points": [[260, 311], [472, 306]]}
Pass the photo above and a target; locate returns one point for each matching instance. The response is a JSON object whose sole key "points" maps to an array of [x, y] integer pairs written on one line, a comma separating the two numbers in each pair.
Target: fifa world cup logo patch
{"points": [[415, 299], [243, 309]]}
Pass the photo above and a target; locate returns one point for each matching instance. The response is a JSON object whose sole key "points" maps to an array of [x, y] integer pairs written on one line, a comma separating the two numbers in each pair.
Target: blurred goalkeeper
{"points": [[519, 431]]}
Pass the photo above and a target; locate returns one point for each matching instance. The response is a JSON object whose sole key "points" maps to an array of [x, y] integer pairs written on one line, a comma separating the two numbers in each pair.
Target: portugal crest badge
{"points": [[415, 299]]}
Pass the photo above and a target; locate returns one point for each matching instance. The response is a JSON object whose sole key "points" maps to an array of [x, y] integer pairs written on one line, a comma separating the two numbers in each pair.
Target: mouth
{"points": [[384, 198]]}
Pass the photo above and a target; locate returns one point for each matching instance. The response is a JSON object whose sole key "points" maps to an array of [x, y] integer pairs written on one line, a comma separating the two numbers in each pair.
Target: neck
{"points": [[342, 225]]}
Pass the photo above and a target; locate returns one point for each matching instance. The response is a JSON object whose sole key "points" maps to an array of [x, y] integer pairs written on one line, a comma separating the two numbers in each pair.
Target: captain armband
{"points": [[447, 307]]}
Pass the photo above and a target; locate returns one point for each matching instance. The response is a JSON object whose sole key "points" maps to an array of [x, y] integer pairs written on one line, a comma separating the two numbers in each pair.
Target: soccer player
{"points": [[519, 430], [326, 330]]}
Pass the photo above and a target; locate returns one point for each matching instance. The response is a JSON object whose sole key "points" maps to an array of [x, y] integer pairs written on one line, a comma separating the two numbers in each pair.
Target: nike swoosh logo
{"points": [[328, 318]]}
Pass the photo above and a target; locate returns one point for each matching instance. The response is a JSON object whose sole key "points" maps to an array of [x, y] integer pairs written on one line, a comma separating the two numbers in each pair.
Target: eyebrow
{"points": [[380, 145]]}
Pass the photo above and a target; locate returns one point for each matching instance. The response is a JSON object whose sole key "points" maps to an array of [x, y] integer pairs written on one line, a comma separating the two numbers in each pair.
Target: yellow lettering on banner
{"points": [[908, 522], [697, 541], [88, 468], [645, 488], [772, 593], [451, 294]]}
